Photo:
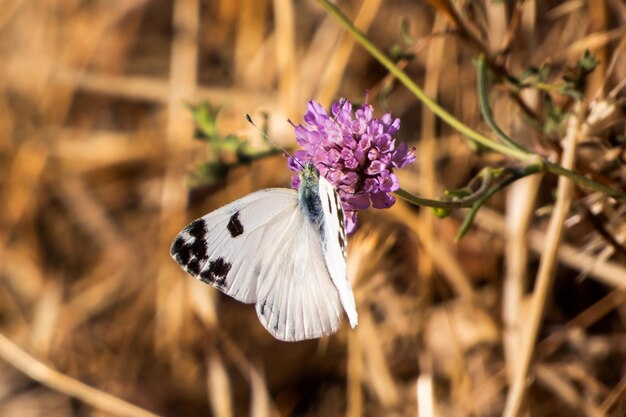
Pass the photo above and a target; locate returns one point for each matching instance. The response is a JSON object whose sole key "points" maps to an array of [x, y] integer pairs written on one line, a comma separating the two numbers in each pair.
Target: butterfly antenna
{"points": [[266, 136]]}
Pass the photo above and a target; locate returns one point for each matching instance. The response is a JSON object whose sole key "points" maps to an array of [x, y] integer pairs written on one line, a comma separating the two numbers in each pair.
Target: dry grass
{"points": [[526, 315]]}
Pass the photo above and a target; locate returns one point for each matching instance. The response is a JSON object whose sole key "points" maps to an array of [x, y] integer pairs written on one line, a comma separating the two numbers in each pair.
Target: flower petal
{"points": [[382, 200], [350, 221], [359, 201], [295, 181]]}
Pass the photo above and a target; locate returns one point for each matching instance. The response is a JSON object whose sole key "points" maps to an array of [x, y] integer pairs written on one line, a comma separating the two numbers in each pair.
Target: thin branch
{"points": [[418, 92], [57, 381], [482, 74], [545, 274], [456, 123]]}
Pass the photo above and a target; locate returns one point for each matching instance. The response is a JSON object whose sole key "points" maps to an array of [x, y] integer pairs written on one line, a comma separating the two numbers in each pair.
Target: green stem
{"points": [[483, 100], [551, 88], [419, 93], [485, 177], [513, 152], [420, 201], [580, 179], [469, 218]]}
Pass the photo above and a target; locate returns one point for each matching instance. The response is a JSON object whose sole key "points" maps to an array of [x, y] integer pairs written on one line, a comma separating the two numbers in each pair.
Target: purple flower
{"points": [[356, 155]]}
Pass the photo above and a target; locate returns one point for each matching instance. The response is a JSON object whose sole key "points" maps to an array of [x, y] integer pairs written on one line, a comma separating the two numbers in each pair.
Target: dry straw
{"points": [[523, 316]]}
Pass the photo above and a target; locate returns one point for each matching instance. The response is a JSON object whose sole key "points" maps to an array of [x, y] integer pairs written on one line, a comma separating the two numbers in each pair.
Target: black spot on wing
{"points": [[199, 249], [193, 267], [197, 228], [181, 251], [340, 216], [205, 276], [234, 225], [263, 307], [178, 243], [277, 322], [187, 251], [257, 269], [330, 206], [219, 267], [216, 272], [342, 241]]}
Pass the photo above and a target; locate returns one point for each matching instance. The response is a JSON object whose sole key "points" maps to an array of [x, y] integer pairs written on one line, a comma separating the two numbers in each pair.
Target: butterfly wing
{"points": [[226, 247], [306, 304], [262, 249], [334, 247]]}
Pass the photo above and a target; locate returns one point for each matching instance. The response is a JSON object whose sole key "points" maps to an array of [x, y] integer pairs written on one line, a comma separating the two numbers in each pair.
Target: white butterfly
{"points": [[284, 250]]}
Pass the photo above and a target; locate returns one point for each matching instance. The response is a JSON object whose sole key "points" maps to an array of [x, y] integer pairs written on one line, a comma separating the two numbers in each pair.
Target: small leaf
{"points": [[441, 213], [405, 32], [576, 75], [554, 117], [208, 173], [205, 117], [227, 151], [457, 194]]}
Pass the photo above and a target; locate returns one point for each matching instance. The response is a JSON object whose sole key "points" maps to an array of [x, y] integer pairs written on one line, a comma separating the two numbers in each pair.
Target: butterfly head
{"points": [[309, 174]]}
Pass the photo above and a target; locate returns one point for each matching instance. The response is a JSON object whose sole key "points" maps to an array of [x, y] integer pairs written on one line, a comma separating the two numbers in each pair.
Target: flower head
{"points": [[357, 155]]}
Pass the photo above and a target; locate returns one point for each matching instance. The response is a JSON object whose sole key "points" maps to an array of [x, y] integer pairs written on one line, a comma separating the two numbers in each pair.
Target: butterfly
{"points": [[281, 249]]}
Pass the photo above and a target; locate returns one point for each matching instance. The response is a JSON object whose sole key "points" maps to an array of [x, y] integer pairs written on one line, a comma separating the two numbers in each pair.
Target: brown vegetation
{"points": [[96, 143]]}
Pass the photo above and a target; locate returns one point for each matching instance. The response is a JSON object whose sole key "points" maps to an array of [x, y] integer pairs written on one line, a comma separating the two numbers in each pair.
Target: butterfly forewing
{"points": [[334, 246], [223, 248]]}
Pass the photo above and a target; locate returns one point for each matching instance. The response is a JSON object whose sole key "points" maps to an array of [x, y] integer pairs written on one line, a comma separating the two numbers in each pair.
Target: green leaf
{"points": [[405, 32], [441, 213], [457, 194], [554, 117], [227, 151], [576, 75], [205, 117], [208, 173]]}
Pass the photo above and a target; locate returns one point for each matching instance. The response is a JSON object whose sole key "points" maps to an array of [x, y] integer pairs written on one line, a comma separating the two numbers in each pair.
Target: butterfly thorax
{"points": [[309, 195]]}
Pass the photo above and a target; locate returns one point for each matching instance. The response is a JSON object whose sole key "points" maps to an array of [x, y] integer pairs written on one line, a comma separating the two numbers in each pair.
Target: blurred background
{"points": [[99, 170]]}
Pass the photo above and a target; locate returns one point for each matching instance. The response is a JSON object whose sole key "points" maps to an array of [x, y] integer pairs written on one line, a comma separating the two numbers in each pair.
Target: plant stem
{"points": [[469, 218], [483, 100], [485, 177], [426, 202], [510, 151], [580, 179], [419, 93]]}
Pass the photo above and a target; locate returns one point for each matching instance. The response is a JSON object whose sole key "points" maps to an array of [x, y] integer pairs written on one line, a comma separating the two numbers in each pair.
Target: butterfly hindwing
{"points": [[306, 305]]}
